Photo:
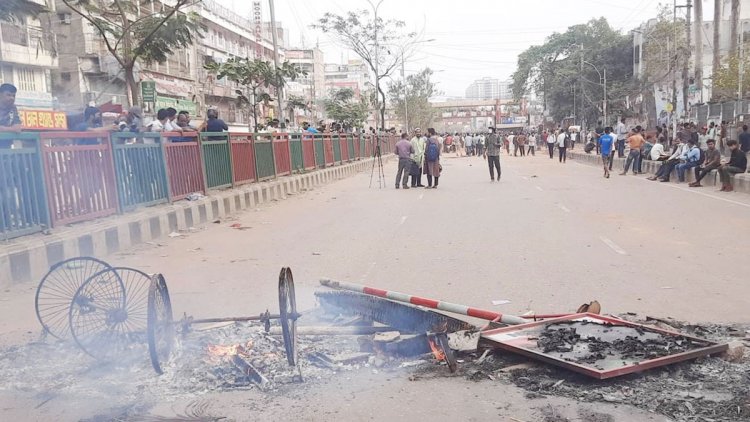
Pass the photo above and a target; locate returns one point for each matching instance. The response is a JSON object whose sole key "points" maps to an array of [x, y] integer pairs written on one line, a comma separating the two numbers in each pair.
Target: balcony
{"points": [[28, 45]]}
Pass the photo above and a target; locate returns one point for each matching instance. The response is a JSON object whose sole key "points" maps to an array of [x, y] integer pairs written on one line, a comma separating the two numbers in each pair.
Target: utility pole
{"points": [[605, 95], [280, 92], [698, 73], [379, 117], [686, 63], [406, 93]]}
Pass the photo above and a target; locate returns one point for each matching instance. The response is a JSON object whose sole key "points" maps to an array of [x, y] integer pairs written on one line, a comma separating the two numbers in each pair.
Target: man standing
{"points": [[551, 138], [10, 121], [493, 154], [599, 131], [479, 142], [563, 140], [469, 145], [605, 144], [745, 140], [635, 141], [432, 159], [418, 145], [692, 159], [521, 141], [404, 150], [532, 143], [711, 162], [622, 133], [737, 164]]}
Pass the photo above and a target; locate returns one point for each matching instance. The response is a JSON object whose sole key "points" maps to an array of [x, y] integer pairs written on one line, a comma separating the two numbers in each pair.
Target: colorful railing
{"points": [[49, 179]]}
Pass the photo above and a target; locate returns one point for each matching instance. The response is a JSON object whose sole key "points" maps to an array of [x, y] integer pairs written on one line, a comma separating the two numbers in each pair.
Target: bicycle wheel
{"points": [[160, 326], [105, 321], [288, 314], [57, 288]]}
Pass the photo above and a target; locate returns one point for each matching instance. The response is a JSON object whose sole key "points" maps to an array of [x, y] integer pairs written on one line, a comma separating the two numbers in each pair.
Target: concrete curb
{"points": [[741, 182], [28, 258]]}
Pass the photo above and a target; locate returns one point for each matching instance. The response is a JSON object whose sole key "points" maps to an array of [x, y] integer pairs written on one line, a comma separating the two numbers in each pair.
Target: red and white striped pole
{"points": [[428, 303]]}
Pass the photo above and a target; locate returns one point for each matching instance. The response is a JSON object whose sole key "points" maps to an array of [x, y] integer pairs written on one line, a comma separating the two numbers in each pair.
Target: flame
{"points": [[436, 350], [217, 351]]}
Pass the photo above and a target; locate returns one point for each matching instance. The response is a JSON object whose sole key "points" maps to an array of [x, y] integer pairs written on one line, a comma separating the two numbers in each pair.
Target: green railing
{"points": [[217, 161], [23, 198], [336, 148], [264, 162], [140, 170], [320, 151], [295, 149]]}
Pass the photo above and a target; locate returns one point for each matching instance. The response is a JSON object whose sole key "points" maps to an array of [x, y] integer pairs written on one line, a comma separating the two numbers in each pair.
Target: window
{"points": [[25, 79], [64, 18]]}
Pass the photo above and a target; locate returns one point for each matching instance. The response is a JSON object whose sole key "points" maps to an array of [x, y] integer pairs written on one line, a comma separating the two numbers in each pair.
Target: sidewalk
{"points": [[741, 182], [28, 258]]}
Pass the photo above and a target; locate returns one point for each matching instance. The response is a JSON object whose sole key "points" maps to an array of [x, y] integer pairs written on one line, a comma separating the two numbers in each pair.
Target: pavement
{"points": [[547, 237]]}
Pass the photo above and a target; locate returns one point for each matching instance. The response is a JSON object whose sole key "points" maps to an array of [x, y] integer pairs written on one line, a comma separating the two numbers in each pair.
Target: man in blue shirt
{"points": [[692, 159], [10, 121], [606, 143], [307, 128]]}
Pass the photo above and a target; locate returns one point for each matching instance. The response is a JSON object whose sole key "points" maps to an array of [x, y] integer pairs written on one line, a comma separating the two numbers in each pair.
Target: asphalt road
{"points": [[547, 237]]}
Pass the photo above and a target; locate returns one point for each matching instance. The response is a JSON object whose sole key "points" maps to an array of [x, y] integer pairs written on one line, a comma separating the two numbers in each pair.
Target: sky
{"points": [[472, 38]]}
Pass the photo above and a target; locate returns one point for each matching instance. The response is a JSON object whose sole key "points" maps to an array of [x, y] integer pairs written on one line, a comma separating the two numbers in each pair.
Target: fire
{"points": [[218, 351], [436, 350]]}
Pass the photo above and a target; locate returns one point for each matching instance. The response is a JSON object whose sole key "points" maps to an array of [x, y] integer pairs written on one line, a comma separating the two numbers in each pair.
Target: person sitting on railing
{"points": [[132, 121], [214, 124], [161, 122], [92, 121], [10, 121], [307, 128]]}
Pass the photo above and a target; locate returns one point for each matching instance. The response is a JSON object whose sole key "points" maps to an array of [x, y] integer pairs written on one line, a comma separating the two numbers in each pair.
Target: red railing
{"points": [[184, 164], [282, 156], [369, 145], [80, 176], [357, 149], [308, 151], [243, 158], [344, 143], [328, 148]]}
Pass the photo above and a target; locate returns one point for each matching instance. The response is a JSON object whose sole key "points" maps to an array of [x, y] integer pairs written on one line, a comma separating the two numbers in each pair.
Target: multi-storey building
{"points": [[354, 75], [28, 54], [310, 87]]}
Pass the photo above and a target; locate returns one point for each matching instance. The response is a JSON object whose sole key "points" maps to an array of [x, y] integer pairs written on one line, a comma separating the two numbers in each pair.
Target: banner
{"points": [[43, 119], [177, 104]]}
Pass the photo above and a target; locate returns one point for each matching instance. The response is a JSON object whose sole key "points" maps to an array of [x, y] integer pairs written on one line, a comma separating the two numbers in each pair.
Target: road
{"points": [[547, 237]]}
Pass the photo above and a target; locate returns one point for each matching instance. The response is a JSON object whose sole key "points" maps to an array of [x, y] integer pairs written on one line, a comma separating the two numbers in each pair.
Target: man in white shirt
{"points": [[562, 145], [622, 134], [670, 163], [657, 151], [532, 143], [469, 141]]}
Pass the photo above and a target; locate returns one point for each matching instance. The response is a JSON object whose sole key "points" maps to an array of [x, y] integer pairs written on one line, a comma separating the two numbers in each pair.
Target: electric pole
{"points": [[274, 36], [406, 94], [698, 73], [686, 63]]}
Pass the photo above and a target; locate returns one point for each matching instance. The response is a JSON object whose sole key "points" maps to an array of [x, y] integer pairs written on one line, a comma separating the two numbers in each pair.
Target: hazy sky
{"points": [[473, 38]]}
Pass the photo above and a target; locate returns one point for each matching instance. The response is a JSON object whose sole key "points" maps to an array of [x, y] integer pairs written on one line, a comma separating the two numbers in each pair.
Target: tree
{"points": [[698, 69], [256, 77], [717, 52], [726, 82], [381, 44], [296, 103], [411, 99], [131, 32], [570, 63], [16, 10], [342, 107]]}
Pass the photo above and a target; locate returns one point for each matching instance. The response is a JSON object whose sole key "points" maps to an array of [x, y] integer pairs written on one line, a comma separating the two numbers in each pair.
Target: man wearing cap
{"points": [[10, 121]]}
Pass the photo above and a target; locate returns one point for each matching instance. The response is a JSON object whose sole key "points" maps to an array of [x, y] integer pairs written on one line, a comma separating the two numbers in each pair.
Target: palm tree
{"points": [[17, 10]]}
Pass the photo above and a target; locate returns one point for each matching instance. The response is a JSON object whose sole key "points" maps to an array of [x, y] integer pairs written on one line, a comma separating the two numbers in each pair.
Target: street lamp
{"points": [[602, 79]]}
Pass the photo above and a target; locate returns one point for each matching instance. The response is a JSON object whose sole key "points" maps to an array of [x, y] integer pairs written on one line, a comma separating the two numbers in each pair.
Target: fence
{"points": [[52, 178], [23, 202]]}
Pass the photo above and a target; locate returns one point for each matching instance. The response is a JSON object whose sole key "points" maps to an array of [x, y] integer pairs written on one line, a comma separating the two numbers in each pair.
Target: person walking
{"points": [[521, 141], [432, 159], [563, 140], [605, 145], [418, 145], [469, 141], [622, 133], [551, 138], [492, 154], [635, 142], [404, 150], [737, 164]]}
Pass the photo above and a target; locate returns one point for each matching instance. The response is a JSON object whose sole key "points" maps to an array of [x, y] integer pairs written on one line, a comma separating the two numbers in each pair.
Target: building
{"points": [[28, 54], [354, 75], [311, 87], [489, 89]]}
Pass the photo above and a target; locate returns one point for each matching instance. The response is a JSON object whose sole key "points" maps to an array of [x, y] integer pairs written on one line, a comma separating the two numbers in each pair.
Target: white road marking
{"points": [[524, 178], [695, 191], [403, 219], [539, 188], [612, 245], [563, 207], [421, 195]]}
